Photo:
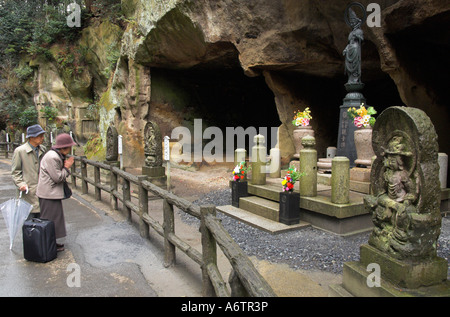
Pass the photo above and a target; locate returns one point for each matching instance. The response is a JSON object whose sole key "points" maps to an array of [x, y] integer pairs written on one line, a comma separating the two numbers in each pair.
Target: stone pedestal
{"points": [[346, 134], [378, 274], [156, 175]]}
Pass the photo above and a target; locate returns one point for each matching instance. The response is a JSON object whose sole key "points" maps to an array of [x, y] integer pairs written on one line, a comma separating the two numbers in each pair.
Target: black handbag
{"points": [[67, 191]]}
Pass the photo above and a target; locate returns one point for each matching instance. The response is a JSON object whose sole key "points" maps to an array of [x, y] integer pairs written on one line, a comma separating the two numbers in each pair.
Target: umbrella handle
{"points": [[20, 192]]}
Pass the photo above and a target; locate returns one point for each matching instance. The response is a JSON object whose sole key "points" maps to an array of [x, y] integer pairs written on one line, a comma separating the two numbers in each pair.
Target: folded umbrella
{"points": [[15, 211]]}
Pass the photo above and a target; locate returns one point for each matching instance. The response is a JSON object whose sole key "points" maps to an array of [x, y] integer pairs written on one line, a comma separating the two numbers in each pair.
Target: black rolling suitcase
{"points": [[39, 240]]}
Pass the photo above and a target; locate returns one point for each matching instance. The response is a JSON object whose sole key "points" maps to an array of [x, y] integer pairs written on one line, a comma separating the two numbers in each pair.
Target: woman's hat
{"points": [[64, 140], [34, 131]]}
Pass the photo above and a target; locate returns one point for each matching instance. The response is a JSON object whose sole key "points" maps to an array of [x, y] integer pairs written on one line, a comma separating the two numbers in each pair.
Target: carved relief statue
{"points": [[405, 201], [153, 145]]}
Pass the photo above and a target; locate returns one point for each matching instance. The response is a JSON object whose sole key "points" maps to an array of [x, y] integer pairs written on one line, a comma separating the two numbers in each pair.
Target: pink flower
{"points": [[358, 122]]}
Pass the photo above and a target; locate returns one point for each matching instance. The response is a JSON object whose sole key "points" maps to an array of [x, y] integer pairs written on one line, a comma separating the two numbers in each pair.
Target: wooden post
{"points": [[143, 208], [84, 183], [169, 228], [126, 189], [209, 251], [98, 191], [73, 170], [114, 188]]}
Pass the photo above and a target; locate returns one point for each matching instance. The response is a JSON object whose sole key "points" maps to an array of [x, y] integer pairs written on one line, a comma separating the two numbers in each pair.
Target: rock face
{"points": [[294, 45]]}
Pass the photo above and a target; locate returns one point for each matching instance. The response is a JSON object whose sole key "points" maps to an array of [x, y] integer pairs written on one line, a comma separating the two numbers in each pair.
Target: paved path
{"points": [[107, 252]]}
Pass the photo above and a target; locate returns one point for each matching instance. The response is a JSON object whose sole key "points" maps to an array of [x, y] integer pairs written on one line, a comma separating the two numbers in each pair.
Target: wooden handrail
{"points": [[246, 279]]}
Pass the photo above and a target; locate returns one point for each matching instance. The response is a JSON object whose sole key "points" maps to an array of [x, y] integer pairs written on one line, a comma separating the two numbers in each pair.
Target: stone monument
{"points": [[405, 209], [153, 154], [354, 86], [112, 144]]}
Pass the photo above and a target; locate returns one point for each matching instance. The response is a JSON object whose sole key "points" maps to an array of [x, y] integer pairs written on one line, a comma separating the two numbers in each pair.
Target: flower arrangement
{"points": [[362, 117], [292, 175], [302, 118], [240, 171]]}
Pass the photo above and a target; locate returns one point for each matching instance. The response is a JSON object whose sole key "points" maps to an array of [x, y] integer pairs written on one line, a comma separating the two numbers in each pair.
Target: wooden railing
{"points": [[244, 279], [7, 148]]}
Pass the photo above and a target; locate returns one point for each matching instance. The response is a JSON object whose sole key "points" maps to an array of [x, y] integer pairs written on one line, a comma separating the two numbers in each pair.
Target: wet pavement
{"points": [[103, 256]]}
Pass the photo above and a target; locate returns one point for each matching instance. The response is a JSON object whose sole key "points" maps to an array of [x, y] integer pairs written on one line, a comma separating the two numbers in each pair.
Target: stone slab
{"points": [[262, 207], [322, 204], [343, 227], [270, 226]]}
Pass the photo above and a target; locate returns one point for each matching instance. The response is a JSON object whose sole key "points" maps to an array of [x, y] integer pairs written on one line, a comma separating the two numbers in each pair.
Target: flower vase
{"points": [[299, 133], [363, 144], [238, 189], [289, 208]]}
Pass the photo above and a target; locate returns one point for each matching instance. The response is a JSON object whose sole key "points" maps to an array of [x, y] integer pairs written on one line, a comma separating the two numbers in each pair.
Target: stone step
{"points": [[269, 191], [267, 225], [259, 206]]}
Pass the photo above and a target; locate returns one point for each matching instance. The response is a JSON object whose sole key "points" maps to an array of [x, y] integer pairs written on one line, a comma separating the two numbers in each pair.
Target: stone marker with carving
{"points": [[405, 209]]}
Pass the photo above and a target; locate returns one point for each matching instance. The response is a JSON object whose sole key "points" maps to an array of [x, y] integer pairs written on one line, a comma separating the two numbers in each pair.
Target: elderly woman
{"points": [[50, 190]]}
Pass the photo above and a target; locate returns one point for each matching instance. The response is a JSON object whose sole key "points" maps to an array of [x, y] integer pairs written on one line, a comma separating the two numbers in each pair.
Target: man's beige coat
{"points": [[25, 170]]}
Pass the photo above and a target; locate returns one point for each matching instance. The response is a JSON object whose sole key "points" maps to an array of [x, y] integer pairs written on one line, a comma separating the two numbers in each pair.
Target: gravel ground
{"points": [[307, 249]]}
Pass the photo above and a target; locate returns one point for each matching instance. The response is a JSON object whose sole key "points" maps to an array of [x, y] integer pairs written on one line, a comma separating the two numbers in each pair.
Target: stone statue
{"points": [[153, 145], [405, 201], [352, 52], [112, 143]]}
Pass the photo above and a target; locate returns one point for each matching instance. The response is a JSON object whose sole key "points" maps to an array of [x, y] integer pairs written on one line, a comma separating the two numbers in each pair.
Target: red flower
{"points": [[289, 185]]}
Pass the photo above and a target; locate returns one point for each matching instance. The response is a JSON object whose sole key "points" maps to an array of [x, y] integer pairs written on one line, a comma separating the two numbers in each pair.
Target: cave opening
{"points": [[222, 98]]}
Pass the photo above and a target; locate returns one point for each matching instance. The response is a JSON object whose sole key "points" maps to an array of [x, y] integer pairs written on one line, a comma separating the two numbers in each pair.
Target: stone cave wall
{"points": [[296, 46], [291, 48]]}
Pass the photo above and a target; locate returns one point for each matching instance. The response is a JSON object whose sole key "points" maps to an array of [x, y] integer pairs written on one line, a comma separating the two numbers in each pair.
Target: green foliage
{"points": [[50, 113], [92, 112], [16, 113], [112, 56], [23, 72], [28, 117]]}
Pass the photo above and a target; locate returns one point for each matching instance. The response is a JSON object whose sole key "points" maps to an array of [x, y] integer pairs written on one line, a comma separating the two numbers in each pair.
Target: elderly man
{"points": [[25, 166]]}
